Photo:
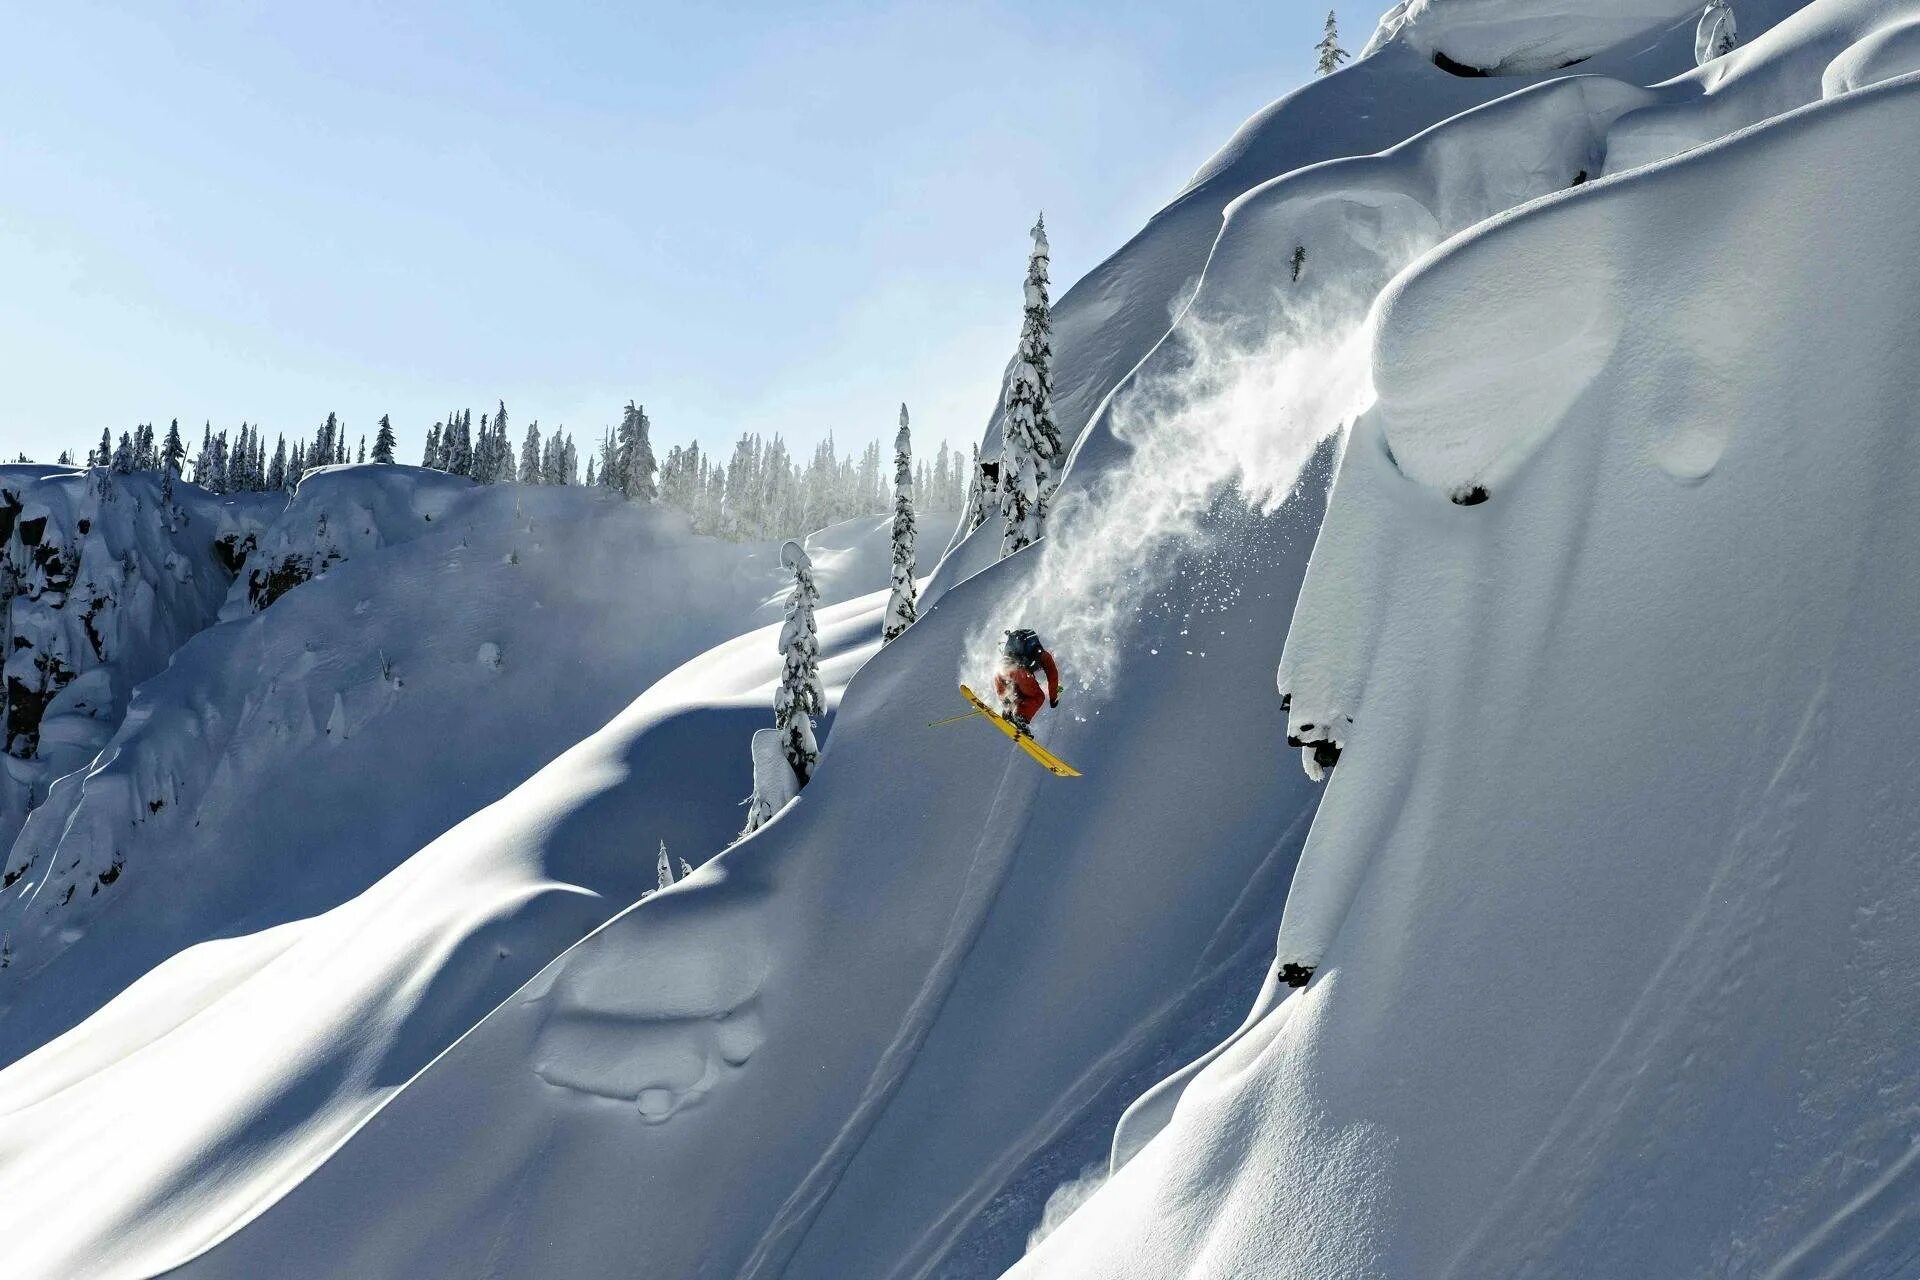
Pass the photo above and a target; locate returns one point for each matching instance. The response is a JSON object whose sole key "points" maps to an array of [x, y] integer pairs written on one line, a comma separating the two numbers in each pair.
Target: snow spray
{"points": [[1206, 410]]}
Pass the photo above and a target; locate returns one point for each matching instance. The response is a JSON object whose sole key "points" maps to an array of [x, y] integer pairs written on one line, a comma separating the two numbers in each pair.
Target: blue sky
{"points": [[748, 216]]}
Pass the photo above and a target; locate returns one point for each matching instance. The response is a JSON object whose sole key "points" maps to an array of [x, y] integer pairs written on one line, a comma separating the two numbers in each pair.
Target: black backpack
{"points": [[1024, 647]]}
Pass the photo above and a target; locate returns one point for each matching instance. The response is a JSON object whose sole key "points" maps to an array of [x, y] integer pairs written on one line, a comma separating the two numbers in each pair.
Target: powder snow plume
{"points": [[1227, 413]]}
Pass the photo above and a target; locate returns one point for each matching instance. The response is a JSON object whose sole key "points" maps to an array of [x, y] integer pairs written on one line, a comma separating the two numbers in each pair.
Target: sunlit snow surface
{"points": [[1607, 896]]}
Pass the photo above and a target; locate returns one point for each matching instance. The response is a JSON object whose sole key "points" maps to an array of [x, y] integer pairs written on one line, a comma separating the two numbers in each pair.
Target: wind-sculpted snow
{"points": [[1892, 50], [1611, 901], [1269, 358], [1115, 315]]}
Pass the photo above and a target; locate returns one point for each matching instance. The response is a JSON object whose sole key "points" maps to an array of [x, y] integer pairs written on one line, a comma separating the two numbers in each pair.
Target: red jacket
{"points": [[1016, 687]]}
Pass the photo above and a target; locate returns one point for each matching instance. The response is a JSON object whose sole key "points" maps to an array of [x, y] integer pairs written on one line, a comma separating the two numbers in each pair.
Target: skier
{"points": [[1016, 685]]}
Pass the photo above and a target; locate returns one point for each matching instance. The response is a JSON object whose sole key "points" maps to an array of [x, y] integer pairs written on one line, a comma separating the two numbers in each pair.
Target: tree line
{"points": [[759, 491]]}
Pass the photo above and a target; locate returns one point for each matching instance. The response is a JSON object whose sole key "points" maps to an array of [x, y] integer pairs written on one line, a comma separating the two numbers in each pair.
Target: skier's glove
{"points": [[1054, 701]]}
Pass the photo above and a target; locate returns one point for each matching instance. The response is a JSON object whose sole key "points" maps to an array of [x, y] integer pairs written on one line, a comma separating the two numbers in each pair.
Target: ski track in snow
{"points": [[993, 852]]}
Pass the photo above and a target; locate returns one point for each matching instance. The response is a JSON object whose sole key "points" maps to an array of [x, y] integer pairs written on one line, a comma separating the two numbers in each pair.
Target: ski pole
{"points": [[964, 715]]}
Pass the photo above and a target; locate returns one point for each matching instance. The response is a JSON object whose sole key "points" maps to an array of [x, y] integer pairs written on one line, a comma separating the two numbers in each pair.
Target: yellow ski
{"points": [[1050, 762]]}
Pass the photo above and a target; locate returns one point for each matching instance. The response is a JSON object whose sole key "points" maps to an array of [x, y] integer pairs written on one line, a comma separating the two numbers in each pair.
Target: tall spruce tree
{"points": [[173, 453], [636, 465], [383, 441], [1330, 54], [901, 611], [800, 696], [531, 458], [1030, 447]]}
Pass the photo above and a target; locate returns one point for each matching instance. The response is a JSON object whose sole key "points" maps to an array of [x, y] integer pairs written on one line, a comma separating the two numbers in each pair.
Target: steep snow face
{"points": [[1611, 898], [458, 638], [1235, 296], [100, 581], [1521, 37], [1116, 313]]}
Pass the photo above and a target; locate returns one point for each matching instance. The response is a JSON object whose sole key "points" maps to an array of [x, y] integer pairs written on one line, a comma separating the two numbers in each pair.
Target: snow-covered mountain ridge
{"points": [[102, 577], [1607, 615]]}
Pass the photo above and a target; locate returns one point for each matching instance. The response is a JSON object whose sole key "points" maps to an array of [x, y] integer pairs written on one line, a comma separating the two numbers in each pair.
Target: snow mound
{"points": [[337, 513], [1520, 37], [1618, 861], [1893, 50]]}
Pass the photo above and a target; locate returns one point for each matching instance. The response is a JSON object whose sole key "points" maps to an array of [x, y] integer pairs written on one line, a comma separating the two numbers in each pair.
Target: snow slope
{"points": [[459, 638], [862, 1006], [847, 1045], [1619, 860], [239, 1062]]}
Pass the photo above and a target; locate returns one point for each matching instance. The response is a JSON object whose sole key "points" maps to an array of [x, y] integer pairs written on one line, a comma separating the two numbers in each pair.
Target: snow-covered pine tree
{"points": [[383, 441], [66, 458], [530, 456], [606, 459], [361, 454], [459, 452], [663, 869], [430, 456], [637, 468], [277, 472], [1717, 33], [1331, 55], [123, 454], [173, 453], [104, 456], [901, 612], [977, 504], [144, 458], [800, 696], [323, 442], [1030, 451]]}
